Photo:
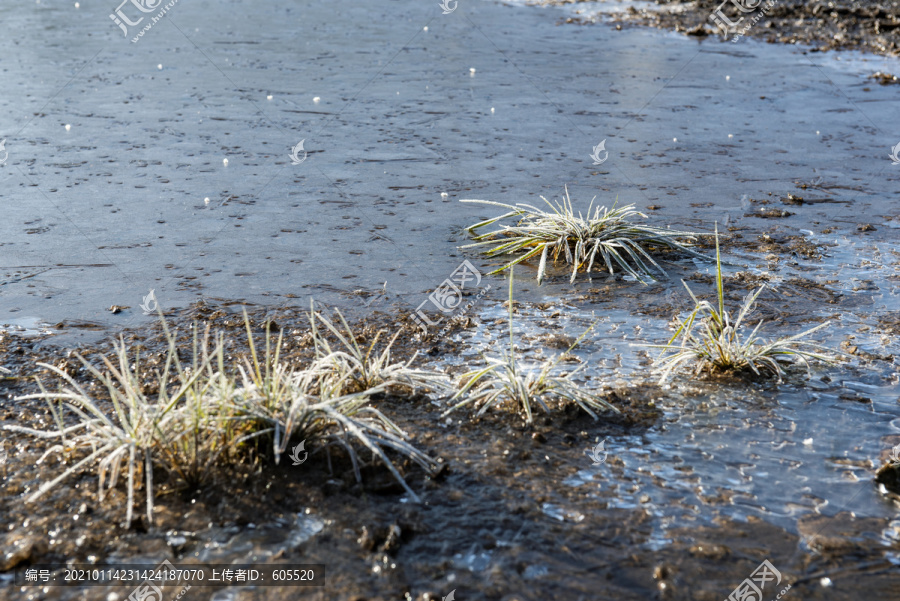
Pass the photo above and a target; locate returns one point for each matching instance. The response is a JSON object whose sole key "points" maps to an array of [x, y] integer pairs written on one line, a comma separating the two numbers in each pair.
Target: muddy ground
{"points": [[494, 522], [870, 26]]}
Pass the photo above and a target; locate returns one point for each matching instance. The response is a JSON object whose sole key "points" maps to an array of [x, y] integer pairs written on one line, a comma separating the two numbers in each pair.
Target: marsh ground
{"points": [[868, 25]]}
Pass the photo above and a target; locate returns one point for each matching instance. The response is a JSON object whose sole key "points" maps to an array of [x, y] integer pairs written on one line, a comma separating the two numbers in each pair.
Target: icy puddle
{"points": [[731, 449]]}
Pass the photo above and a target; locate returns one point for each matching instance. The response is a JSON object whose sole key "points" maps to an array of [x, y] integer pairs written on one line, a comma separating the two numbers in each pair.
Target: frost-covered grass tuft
{"points": [[504, 380], [611, 237], [209, 414], [714, 341]]}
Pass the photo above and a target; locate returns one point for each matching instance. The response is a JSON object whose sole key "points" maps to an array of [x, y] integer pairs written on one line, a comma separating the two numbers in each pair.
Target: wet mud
{"points": [[870, 26], [516, 512]]}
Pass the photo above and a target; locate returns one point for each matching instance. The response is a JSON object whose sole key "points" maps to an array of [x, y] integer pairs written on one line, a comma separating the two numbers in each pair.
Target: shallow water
{"points": [[114, 206], [781, 451]]}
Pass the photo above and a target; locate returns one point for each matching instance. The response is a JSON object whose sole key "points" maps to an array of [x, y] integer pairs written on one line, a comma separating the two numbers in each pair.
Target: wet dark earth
{"points": [[404, 111], [515, 512], [871, 26]]}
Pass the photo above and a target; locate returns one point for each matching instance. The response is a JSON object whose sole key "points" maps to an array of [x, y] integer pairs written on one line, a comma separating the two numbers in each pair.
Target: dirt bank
{"points": [[869, 26]]}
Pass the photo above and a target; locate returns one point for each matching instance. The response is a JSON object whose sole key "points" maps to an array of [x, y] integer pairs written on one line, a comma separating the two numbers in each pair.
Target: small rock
{"points": [[849, 348], [19, 549], [771, 213], [698, 31], [538, 437], [117, 309], [68, 366], [889, 475], [176, 540], [885, 79], [710, 551], [332, 487], [865, 227]]}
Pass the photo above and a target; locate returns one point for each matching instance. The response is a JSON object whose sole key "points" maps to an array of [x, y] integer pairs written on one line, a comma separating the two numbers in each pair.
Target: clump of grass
{"points": [[504, 380], [715, 342], [313, 404], [363, 369], [203, 416], [607, 236], [139, 429]]}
